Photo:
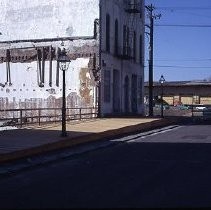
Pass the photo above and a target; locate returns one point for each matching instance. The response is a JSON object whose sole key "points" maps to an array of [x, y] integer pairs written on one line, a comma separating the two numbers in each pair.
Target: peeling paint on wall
{"points": [[24, 19], [86, 86], [29, 75]]}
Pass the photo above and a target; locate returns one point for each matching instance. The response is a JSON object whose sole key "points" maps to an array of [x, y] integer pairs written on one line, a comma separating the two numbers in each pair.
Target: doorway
{"points": [[116, 91], [126, 94], [134, 94]]}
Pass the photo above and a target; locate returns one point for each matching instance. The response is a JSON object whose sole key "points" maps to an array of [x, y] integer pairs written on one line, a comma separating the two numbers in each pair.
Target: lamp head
{"points": [[162, 79], [63, 60]]}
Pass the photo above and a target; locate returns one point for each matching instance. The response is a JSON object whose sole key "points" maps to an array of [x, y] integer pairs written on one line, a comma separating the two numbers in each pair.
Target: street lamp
{"points": [[64, 63], [162, 80]]}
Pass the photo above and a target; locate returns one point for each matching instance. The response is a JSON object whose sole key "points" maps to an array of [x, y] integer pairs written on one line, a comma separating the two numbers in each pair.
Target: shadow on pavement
{"points": [[144, 175], [22, 143], [130, 175], [133, 175]]}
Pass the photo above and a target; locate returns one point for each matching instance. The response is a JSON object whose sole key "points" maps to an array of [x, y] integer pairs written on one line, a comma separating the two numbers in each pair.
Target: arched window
{"points": [[128, 47], [116, 41], [134, 46], [124, 39], [108, 33], [141, 50]]}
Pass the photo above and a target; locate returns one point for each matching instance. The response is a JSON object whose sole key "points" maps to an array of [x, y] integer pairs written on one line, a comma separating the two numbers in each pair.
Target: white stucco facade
{"points": [[24, 19], [31, 20], [25, 78]]}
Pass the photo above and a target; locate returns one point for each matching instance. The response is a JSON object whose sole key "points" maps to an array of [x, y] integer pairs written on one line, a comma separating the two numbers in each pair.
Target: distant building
{"points": [[183, 92], [104, 40]]}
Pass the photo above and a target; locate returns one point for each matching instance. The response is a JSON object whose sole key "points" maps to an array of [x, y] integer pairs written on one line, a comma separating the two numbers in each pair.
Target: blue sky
{"points": [[181, 53]]}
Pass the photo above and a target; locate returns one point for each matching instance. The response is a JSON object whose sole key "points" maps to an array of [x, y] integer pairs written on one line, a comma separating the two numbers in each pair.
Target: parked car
{"points": [[165, 106], [183, 107], [200, 107]]}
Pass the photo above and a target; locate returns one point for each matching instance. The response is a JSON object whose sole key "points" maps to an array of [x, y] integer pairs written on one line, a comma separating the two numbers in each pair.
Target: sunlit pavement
{"points": [[15, 144]]}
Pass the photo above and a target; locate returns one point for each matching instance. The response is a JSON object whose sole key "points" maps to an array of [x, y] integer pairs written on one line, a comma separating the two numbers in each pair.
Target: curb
{"points": [[70, 142]]}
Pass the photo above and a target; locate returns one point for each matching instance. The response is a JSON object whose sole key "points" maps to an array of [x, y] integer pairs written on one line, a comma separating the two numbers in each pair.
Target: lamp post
{"points": [[64, 62], [162, 80]]}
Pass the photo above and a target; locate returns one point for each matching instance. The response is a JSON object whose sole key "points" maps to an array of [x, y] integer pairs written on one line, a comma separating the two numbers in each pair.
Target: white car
{"points": [[201, 107]]}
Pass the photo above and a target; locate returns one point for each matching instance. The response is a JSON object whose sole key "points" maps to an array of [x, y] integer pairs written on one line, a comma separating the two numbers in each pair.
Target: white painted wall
{"points": [[24, 19], [37, 19], [25, 85]]}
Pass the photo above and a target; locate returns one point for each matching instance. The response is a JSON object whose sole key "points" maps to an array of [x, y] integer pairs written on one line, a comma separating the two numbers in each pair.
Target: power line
{"points": [[191, 59], [187, 67], [195, 14], [183, 25], [181, 60], [183, 8]]}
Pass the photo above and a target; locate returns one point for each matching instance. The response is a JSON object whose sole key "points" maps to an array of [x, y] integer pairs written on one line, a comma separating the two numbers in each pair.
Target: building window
{"points": [[108, 33], [134, 46], [140, 6], [141, 50], [128, 52], [107, 86], [124, 39], [116, 41]]}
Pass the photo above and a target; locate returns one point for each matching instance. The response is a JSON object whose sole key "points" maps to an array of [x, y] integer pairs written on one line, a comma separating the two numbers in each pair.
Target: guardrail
{"points": [[20, 117]]}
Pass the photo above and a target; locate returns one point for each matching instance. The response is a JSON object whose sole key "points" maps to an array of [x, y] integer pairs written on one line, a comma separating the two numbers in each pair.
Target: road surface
{"points": [[166, 168]]}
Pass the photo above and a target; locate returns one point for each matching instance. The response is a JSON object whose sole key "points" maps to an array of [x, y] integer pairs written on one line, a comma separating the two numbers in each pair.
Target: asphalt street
{"points": [[166, 168]]}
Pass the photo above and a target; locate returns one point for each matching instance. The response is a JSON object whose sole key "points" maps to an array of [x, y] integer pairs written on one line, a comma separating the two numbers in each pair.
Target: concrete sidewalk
{"points": [[22, 143]]}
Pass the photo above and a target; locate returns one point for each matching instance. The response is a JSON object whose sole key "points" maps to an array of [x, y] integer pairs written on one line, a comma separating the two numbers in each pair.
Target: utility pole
{"points": [[151, 16]]}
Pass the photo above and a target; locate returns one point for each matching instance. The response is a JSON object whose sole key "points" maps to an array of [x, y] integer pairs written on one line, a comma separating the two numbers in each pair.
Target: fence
{"points": [[170, 111], [20, 117]]}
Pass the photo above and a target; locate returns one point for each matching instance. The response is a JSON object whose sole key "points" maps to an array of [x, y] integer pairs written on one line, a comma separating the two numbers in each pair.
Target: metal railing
{"points": [[20, 117]]}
